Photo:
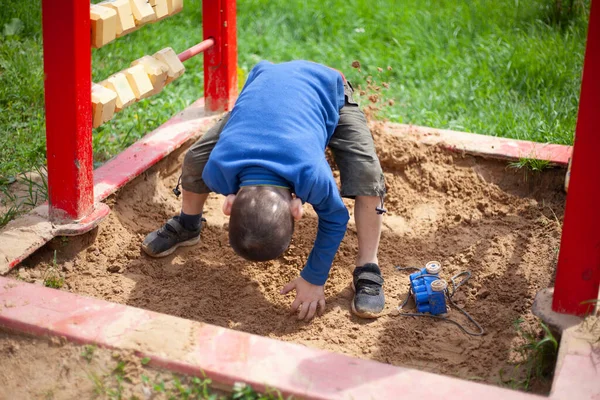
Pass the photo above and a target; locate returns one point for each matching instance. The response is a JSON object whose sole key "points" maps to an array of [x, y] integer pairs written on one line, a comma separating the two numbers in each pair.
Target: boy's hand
{"points": [[308, 298]]}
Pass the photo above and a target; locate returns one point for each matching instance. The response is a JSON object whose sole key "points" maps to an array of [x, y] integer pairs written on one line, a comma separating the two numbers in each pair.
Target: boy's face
{"points": [[295, 206]]}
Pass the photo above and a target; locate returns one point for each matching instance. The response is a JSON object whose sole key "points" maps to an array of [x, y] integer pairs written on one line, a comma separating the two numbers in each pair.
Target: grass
{"points": [[11, 212], [531, 164], [537, 355], [500, 67], [593, 304], [32, 190], [185, 388], [88, 352], [36, 186], [52, 276], [113, 384]]}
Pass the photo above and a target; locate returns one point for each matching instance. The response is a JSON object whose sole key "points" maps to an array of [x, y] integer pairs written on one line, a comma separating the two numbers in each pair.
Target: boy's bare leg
{"points": [[368, 228], [369, 299], [192, 203]]}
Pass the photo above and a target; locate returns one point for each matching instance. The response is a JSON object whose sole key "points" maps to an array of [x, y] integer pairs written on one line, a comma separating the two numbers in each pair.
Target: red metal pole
{"points": [[68, 82], [196, 49], [578, 270], [220, 61]]}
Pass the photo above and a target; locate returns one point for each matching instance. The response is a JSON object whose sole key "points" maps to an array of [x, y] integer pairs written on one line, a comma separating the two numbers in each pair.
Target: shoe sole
{"points": [[165, 253], [367, 314]]}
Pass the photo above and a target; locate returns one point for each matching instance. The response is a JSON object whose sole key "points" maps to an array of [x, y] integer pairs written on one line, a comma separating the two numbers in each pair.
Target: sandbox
{"points": [[502, 224]]}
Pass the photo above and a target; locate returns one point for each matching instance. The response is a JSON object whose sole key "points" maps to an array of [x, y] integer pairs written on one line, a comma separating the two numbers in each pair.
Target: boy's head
{"points": [[261, 221]]}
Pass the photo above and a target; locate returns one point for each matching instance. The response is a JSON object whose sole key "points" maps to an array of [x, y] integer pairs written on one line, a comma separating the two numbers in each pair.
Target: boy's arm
{"points": [[333, 220]]}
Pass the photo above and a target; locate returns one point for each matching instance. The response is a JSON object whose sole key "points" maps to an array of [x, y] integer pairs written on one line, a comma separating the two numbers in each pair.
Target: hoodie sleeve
{"points": [[333, 220]]}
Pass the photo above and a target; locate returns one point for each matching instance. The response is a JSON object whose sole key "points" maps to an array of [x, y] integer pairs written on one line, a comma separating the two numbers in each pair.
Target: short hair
{"points": [[261, 222]]}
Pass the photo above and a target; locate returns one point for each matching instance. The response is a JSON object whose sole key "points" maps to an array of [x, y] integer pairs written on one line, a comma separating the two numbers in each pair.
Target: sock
{"points": [[370, 267], [190, 222]]}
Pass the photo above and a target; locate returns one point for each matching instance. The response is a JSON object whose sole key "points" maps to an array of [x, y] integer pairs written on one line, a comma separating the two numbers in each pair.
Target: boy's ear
{"points": [[296, 208], [228, 203]]}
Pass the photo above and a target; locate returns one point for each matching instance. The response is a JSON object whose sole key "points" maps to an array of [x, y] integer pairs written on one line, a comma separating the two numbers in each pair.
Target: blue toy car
{"points": [[429, 290]]}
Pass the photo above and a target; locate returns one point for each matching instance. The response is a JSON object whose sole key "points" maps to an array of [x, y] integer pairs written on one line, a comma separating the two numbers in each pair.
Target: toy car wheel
{"points": [[439, 285], [433, 267]]}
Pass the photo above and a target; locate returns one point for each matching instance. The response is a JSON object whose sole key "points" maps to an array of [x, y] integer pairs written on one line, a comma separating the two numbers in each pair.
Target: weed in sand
{"points": [[11, 201], [52, 277], [99, 386], [10, 214], [537, 357], [36, 192], [532, 164], [591, 323], [112, 385], [88, 352], [529, 166], [594, 307], [243, 391], [116, 392], [549, 221]]}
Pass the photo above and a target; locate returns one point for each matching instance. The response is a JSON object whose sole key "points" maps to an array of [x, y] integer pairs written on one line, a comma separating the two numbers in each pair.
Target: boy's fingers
{"points": [[312, 310], [322, 307], [288, 287], [295, 305], [303, 310]]}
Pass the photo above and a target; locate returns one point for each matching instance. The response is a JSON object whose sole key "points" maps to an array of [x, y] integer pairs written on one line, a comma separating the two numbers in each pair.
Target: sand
{"points": [[51, 368], [501, 224]]}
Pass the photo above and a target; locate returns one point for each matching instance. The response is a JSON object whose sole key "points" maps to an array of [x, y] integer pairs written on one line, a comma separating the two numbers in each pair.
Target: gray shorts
{"points": [[351, 144]]}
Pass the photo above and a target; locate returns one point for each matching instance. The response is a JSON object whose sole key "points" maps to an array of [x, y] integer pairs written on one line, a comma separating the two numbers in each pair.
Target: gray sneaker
{"points": [[369, 299], [169, 237]]}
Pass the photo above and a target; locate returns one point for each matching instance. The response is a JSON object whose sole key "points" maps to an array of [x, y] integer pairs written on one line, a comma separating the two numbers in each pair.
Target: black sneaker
{"points": [[169, 237], [369, 299]]}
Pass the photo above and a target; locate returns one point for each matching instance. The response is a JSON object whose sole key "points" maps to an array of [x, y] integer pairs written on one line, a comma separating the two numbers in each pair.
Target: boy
{"points": [[268, 157]]}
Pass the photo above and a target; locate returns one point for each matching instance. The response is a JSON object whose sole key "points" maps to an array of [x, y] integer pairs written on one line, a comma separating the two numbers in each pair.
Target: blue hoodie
{"points": [[276, 135]]}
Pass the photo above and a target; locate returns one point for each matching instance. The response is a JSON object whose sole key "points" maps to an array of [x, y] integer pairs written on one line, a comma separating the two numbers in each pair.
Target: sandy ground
{"points": [[53, 369], [41, 368], [501, 224]]}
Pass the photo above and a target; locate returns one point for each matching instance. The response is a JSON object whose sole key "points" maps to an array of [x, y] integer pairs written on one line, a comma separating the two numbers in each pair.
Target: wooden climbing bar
{"points": [[195, 50]]}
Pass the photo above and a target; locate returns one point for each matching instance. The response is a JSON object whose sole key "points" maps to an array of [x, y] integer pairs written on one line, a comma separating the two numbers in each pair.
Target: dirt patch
{"points": [[469, 213], [31, 368], [52, 369]]}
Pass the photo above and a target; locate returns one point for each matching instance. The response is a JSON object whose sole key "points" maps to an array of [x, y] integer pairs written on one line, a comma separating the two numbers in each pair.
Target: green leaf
{"points": [[14, 27], [160, 387], [145, 360]]}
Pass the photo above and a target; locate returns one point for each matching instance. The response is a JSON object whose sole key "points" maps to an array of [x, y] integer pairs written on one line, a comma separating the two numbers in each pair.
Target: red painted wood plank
{"points": [[484, 145]]}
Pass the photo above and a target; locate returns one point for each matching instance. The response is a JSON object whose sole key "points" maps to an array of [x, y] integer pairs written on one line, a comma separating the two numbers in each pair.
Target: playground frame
{"points": [[74, 207]]}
